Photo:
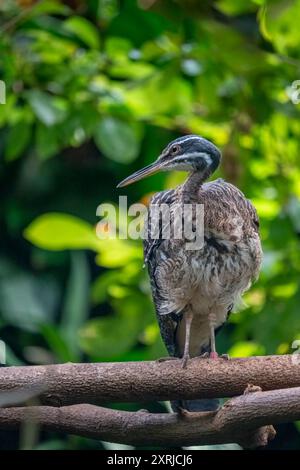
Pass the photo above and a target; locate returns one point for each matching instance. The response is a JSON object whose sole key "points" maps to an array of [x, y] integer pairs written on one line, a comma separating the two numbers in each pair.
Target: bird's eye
{"points": [[175, 149]]}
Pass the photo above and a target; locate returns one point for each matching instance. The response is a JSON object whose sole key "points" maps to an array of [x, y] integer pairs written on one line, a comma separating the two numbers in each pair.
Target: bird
{"points": [[195, 290]]}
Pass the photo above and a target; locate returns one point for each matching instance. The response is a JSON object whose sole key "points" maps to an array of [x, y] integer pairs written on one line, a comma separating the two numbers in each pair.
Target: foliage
{"points": [[95, 90]]}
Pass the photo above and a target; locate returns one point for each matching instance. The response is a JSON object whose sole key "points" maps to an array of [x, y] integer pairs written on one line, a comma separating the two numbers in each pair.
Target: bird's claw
{"points": [[215, 355], [185, 361], [204, 355], [225, 356], [167, 358]]}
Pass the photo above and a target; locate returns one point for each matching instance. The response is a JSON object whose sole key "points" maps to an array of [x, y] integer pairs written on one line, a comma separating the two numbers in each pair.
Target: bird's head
{"points": [[189, 153]]}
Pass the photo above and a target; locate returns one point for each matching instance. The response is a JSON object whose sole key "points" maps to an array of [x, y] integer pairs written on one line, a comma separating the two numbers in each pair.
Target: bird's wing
{"points": [[253, 215], [152, 253], [153, 227], [224, 200]]}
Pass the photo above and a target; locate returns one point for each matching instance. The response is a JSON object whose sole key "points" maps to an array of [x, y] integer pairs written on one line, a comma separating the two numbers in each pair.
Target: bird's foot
{"points": [[204, 355], [215, 355], [185, 361], [167, 358]]}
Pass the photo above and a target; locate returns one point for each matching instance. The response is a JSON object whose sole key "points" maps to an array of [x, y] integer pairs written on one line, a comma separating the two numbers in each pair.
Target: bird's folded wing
{"points": [[152, 249]]}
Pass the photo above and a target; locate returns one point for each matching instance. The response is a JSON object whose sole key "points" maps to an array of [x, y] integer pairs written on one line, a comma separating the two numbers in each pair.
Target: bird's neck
{"points": [[192, 185]]}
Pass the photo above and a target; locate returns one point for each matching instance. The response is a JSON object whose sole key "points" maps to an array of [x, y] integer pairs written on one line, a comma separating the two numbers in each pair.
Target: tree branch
{"points": [[67, 384], [237, 421]]}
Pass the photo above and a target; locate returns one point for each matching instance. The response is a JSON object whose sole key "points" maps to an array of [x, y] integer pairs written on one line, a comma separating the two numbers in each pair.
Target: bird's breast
{"points": [[217, 274]]}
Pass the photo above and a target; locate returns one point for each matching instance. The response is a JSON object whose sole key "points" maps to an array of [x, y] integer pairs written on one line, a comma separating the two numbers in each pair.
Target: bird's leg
{"points": [[212, 322], [213, 352], [188, 316]]}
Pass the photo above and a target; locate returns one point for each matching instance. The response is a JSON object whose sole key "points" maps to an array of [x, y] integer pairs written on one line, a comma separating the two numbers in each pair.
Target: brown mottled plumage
{"points": [[194, 290], [211, 280]]}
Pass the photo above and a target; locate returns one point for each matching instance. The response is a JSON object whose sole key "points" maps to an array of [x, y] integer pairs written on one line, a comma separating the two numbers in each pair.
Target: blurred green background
{"points": [[94, 90]]}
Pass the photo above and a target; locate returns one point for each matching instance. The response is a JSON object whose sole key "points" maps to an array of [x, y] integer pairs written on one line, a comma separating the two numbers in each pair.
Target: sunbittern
{"points": [[195, 290]]}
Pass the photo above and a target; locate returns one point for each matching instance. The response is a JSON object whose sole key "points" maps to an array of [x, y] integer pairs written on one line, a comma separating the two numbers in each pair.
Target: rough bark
{"points": [[244, 420], [72, 390], [68, 384]]}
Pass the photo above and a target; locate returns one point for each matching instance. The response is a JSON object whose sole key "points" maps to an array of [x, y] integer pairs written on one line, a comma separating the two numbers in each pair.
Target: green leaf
{"points": [[75, 309], [49, 7], [116, 253], [105, 11], [278, 25], [56, 342], [139, 25], [47, 140], [246, 349], [84, 30], [58, 231], [171, 95], [111, 336], [51, 444], [117, 48], [11, 358], [49, 109], [17, 140], [236, 7], [101, 285], [25, 301], [117, 139]]}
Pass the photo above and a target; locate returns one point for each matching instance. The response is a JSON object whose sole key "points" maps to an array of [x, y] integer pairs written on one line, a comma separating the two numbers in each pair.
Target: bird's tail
{"points": [[204, 404]]}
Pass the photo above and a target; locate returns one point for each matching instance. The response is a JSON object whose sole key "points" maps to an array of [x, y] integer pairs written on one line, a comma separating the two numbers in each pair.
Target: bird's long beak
{"points": [[140, 174]]}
